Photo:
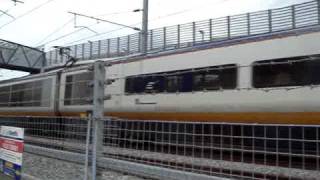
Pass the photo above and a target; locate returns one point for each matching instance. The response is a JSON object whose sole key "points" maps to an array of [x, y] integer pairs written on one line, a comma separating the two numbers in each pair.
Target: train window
{"points": [[139, 85], [186, 82], [181, 82], [204, 79], [229, 76], [214, 78], [154, 84], [173, 83], [35, 93], [314, 73], [4, 96], [129, 87], [285, 72], [77, 91], [43, 92], [147, 84]]}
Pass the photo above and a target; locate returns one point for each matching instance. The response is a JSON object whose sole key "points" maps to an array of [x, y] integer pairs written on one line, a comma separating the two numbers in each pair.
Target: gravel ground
{"points": [[43, 168]]}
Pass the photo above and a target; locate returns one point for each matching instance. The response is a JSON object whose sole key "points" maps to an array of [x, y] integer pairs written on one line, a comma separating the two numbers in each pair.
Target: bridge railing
{"points": [[194, 33]]}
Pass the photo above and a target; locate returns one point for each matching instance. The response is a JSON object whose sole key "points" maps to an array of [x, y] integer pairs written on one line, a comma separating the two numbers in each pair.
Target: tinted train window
{"points": [[214, 78], [229, 76], [154, 84], [129, 87], [209, 78], [145, 84], [4, 96], [77, 89], [286, 72], [173, 83], [205, 79], [35, 93]]}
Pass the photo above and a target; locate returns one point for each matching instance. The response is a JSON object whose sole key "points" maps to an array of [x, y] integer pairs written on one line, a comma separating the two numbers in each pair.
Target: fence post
{"points": [[118, 46], [164, 37], [178, 34], [151, 39], [193, 33], [90, 46], [108, 48], [318, 2], [56, 57], [270, 20], [82, 49], [50, 58], [293, 16], [86, 163], [75, 51], [210, 29], [99, 49], [128, 44], [248, 24], [228, 27], [139, 41], [61, 58], [97, 113]]}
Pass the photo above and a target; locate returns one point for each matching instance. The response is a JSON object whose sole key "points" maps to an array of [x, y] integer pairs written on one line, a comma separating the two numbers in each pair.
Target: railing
{"points": [[191, 34]]}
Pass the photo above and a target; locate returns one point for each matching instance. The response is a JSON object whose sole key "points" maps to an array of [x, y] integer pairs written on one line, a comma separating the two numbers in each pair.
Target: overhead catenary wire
{"points": [[55, 31], [65, 35], [99, 34], [26, 13], [103, 20], [114, 13], [73, 32], [6, 13], [114, 30], [154, 19]]}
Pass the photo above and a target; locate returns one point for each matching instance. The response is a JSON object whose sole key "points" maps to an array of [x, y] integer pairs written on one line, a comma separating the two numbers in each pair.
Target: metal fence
{"points": [[218, 149], [227, 150], [60, 133], [191, 34]]}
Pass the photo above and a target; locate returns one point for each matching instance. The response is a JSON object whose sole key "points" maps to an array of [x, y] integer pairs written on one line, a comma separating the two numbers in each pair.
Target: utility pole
{"points": [[144, 32]]}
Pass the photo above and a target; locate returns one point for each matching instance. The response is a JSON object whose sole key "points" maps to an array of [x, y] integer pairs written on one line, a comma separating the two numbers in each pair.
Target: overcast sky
{"points": [[36, 20]]}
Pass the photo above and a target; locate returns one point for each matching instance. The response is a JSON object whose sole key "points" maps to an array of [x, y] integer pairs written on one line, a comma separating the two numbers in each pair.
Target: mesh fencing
{"points": [[231, 150], [61, 133], [218, 149]]}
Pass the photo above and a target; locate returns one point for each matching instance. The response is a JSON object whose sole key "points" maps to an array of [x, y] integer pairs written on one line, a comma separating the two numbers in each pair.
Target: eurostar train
{"points": [[273, 80]]}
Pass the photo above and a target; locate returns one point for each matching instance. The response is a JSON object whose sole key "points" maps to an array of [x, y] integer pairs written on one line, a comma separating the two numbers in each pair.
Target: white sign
{"points": [[12, 132], [11, 156]]}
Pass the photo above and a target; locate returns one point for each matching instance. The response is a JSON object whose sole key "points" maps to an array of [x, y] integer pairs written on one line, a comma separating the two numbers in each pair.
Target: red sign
{"points": [[11, 145]]}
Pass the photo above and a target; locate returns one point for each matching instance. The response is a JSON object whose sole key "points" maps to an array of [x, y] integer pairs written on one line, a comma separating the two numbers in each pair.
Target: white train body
{"points": [[293, 104]]}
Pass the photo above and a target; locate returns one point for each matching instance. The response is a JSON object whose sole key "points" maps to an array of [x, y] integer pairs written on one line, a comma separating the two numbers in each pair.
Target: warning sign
{"points": [[11, 150]]}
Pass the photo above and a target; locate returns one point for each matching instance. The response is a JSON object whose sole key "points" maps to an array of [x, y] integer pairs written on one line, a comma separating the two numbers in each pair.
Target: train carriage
{"points": [[272, 80]]}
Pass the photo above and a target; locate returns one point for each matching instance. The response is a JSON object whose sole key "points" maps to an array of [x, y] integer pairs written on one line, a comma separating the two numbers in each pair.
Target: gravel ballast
{"points": [[43, 168]]}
